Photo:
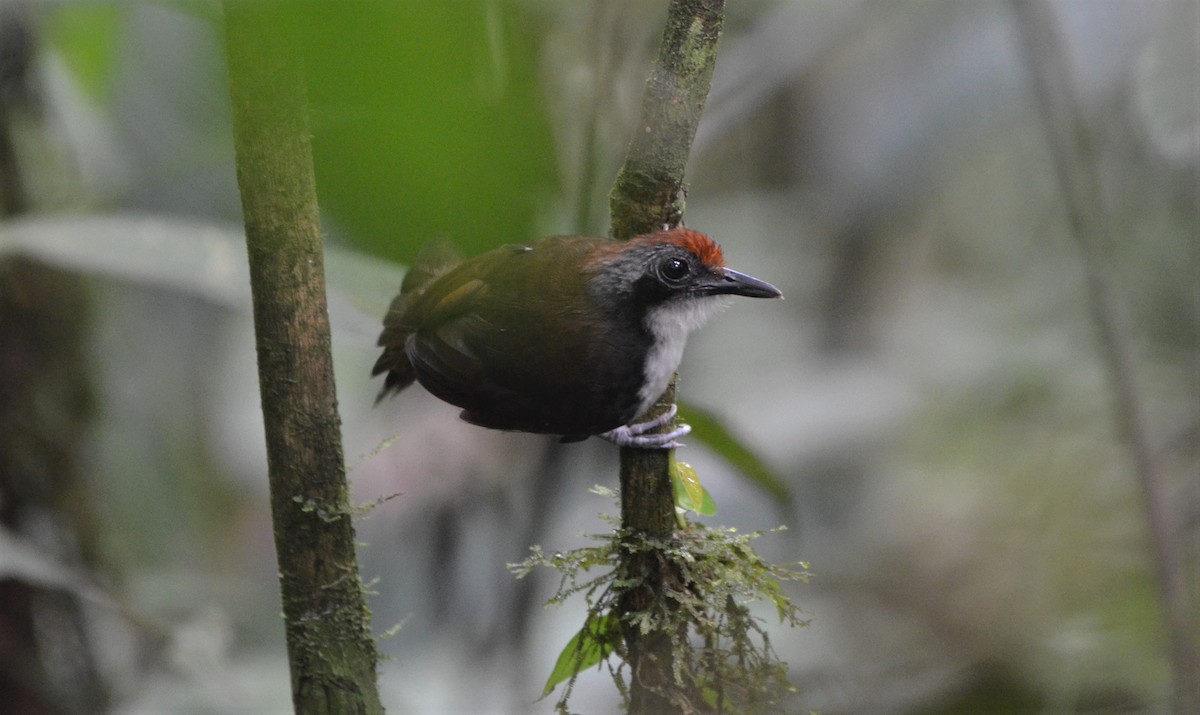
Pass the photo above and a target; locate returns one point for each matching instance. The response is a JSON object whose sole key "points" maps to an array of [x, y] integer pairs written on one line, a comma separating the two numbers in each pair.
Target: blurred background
{"points": [[932, 392]]}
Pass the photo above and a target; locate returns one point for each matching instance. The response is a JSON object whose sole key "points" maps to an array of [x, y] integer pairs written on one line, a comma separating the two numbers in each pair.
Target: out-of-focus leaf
{"points": [[201, 259], [598, 637], [191, 257], [689, 492], [428, 121], [22, 560], [709, 429], [86, 36]]}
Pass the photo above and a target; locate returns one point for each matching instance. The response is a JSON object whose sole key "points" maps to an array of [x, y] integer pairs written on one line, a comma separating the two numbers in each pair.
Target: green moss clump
{"points": [[722, 655]]}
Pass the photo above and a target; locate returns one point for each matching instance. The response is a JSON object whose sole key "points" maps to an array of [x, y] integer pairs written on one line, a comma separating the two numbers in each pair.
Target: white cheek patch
{"points": [[669, 324]]}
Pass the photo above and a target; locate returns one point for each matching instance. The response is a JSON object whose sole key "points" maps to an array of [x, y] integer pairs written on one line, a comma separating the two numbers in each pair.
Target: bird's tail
{"points": [[434, 259]]}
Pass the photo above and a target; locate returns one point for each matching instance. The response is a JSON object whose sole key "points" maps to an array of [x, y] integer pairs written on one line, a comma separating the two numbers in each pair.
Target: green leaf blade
{"points": [[690, 494], [592, 644]]}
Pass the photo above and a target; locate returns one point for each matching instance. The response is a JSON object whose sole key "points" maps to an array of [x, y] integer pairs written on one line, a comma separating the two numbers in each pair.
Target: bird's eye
{"points": [[674, 269]]}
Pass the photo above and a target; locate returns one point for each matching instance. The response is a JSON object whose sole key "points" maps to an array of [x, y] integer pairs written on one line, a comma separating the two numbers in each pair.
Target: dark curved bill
{"points": [[735, 283]]}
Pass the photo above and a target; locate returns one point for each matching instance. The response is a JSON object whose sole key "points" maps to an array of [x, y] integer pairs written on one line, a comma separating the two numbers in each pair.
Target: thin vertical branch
{"points": [[647, 195], [648, 192], [1074, 153], [331, 652]]}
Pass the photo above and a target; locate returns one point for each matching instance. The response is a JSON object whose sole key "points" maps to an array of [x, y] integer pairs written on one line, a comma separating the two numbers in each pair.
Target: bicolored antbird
{"points": [[570, 335]]}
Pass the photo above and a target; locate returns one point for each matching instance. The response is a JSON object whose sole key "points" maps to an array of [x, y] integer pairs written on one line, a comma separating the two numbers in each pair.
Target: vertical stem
{"points": [[331, 652], [648, 509], [648, 192], [1074, 157], [647, 195]]}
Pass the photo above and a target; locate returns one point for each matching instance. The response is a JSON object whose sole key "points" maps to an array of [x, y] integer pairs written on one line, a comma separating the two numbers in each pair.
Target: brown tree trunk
{"points": [[330, 648]]}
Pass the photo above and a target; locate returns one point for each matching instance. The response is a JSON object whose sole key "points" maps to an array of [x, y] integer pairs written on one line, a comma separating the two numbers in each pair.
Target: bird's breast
{"points": [[662, 360]]}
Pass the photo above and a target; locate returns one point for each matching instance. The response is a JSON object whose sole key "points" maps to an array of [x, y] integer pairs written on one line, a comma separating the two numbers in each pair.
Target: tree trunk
{"points": [[330, 648]]}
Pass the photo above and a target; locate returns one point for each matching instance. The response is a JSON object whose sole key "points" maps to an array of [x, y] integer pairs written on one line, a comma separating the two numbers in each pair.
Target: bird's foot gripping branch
{"points": [[706, 583]]}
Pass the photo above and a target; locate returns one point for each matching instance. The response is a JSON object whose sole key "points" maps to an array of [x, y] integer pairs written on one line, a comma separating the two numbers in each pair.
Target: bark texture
{"points": [[331, 651]]}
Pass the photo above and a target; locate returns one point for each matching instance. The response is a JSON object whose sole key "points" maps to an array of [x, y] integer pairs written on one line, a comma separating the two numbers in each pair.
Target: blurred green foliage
{"points": [[428, 122], [86, 36], [428, 118]]}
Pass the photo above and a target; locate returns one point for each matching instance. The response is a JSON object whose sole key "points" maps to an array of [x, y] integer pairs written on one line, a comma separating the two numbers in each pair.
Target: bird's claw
{"points": [[635, 435]]}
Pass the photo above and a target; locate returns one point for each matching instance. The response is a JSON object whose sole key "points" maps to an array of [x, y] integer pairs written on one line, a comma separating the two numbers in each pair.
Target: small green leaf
{"points": [[690, 494], [772, 590], [589, 646]]}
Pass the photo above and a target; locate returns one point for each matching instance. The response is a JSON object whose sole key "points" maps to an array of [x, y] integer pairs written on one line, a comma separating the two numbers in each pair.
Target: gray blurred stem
{"points": [[1074, 154]]}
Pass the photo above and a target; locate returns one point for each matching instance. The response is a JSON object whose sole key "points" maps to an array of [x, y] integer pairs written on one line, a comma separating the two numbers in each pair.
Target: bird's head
{"points": [[668, 283], [674, 277]]}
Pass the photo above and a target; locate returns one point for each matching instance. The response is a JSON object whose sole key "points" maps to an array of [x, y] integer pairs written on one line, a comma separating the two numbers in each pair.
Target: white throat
{"points": [[669, 325]]}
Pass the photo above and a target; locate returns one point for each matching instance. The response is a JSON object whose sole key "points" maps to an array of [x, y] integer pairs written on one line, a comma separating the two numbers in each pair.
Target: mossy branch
{"points": [[331, 652], [721, 654], [649, 190], [648, 195], [669, 616]]}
